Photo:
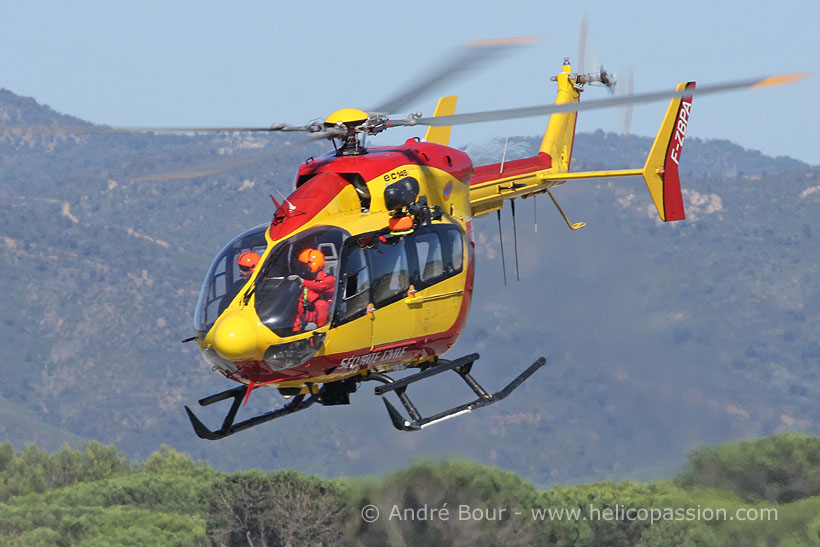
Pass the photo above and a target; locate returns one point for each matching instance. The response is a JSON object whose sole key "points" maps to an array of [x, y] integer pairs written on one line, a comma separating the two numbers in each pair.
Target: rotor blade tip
{"points": [[781, 79], [501, 42]]}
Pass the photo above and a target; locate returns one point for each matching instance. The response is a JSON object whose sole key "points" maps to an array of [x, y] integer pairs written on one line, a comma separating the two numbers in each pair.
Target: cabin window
{"points": [[381, 270], [439, 253], [428, 250], [454, 239], [389, 272], [354, 284]]}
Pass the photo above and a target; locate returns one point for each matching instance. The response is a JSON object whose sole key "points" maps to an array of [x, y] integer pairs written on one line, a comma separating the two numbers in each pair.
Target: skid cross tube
{"points": [[238, 393], [462, 367], [432, 371]]}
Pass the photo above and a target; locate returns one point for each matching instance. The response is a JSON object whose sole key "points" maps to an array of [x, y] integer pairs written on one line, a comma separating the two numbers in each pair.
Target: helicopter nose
{"points": [[235, 337]]}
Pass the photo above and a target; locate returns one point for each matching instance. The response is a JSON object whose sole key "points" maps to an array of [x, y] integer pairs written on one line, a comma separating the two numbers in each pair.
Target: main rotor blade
{"points": [[467, 57], [201, 169], [106, 130], [269, 129], [228, 164], [525, 112]]}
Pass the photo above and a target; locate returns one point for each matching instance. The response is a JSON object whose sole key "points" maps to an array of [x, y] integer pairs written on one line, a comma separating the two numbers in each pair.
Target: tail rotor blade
{"points": [[582, 44], [625, 87]]}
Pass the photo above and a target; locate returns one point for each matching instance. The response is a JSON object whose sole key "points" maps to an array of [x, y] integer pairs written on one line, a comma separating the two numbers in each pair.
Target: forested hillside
{"points": [[658, 337], [765, 491]]}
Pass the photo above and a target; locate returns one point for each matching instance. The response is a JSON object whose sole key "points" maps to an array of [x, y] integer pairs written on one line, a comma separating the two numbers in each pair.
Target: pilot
{"points": [[247, 262], [317, 291]]}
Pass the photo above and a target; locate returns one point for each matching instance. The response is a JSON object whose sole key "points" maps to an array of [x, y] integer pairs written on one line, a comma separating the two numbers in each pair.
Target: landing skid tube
{"points": [[238, 393], [462, 367]]}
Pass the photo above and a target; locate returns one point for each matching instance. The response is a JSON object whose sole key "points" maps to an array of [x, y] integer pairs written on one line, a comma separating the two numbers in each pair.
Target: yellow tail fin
{"points": [[441, 135], [661, 169]]}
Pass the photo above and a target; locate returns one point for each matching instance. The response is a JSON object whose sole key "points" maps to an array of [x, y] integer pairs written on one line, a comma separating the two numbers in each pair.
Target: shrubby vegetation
{"points": [[279, 508], [784, 468], [34, 471], [95, 496]]}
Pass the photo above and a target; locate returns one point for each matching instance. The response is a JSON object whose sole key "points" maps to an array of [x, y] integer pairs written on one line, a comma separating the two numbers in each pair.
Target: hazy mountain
{"points": [[658, 337]]}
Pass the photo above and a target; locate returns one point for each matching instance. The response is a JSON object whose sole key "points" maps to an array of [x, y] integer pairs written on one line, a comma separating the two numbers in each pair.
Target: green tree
{"points": [[282, 508], [406, 499], [781, 468]]}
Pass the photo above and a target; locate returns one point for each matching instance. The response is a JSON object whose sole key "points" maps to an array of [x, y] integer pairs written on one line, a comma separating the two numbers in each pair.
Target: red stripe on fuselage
{"points": [[494, 171]]}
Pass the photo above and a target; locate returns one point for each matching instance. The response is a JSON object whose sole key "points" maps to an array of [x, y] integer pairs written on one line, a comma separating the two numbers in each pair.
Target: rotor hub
{"points": [[347, 116]]}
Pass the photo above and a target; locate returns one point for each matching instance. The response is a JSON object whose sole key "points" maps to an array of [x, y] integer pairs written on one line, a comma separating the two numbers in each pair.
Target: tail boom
{"points": [[492, 185]]}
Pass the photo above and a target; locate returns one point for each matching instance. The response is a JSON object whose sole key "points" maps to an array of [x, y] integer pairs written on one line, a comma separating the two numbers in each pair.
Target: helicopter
{"points": [[367, 268]]}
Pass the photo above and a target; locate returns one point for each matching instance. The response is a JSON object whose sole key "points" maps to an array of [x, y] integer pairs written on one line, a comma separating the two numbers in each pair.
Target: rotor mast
{"points": [[348, 123]]}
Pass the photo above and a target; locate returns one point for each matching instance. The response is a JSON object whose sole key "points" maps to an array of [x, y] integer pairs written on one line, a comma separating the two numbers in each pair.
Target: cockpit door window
{"points": [[354, 283], [295, 290]]}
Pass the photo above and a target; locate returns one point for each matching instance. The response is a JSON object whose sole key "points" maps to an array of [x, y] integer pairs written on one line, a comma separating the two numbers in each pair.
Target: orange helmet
{"points": [[248, 260], [314, 259]]}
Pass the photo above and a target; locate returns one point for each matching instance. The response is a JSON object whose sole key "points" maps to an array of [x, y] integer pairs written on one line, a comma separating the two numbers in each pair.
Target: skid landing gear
{"points": [[238, 393], [462, 367], [337, 393]]}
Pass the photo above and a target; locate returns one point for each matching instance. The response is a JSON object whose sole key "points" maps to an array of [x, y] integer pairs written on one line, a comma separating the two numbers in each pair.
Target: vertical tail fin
{"points": [[661, 169], [441, 135]]}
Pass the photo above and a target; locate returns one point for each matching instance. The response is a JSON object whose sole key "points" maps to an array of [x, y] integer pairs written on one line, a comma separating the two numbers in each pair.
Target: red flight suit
{"points": [[314, 302]]}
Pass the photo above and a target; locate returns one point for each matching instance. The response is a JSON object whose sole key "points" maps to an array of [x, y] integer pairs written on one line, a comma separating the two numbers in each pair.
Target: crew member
{"points": [[247, 262], [317, 291]]}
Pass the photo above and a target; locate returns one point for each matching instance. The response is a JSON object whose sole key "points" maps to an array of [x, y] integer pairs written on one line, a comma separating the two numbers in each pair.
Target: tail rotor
{"points": [[619, 84]]}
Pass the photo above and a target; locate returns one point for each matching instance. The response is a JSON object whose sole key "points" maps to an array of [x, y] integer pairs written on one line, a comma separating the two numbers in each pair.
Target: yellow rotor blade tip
{"points": [[781, 79], [495, 42]]}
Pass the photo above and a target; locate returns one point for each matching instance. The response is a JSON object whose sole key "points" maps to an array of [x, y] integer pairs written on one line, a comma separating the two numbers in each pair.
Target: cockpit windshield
{"points": [[229, 272], [295, 290]]}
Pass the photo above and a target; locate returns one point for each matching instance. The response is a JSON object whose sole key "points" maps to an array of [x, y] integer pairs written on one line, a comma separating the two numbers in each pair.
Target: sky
{"points": [[252, 63]]}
